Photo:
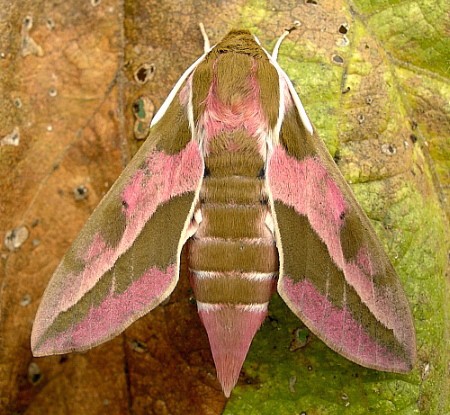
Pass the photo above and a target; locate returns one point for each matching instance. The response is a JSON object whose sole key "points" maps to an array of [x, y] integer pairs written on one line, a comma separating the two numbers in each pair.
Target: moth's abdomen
{"points": [[233, 259]]}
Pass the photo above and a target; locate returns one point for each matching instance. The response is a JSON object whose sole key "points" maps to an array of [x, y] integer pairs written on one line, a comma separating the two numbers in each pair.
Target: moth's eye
{"points": [[262, 173], [206, 172]]}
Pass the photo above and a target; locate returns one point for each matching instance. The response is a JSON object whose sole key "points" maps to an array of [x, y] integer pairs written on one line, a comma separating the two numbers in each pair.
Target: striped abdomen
{"points": [[232, 257]]}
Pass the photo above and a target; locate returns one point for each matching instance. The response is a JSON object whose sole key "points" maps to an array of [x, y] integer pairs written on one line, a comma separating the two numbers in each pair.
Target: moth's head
{"points": [[239, 41]]}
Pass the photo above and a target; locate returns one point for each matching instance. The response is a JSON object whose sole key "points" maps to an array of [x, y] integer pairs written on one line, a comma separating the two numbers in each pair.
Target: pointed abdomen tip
{"points": [[231, 329]]}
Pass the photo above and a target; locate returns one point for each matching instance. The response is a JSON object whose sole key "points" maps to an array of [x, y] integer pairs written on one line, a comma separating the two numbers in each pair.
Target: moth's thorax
{"points": [[235, 91]]}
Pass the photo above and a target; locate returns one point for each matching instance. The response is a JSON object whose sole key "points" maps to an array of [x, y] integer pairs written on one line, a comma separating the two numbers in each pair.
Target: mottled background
{"points": [[374, 78]]}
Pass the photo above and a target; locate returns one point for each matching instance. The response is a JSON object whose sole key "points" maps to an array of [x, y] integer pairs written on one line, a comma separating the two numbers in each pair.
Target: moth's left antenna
{"points": [[282, 37]]}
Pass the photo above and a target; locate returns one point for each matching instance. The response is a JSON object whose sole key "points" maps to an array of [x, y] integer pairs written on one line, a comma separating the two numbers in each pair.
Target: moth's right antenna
{"points": [[206, 45], [281, 38]]}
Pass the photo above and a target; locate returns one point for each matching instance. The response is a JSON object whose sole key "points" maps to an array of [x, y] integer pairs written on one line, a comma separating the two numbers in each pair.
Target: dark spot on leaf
{"points": [[124, 204], [389, 149], [369, 100], [50, 23], [141, 75], [35, 378], [413, 138], [273, 321], [337, 157], [360, 118], [34, 373], [26, 300], [300, 339], [138, 346], [18, 103], [14, 238], [310, 1], [343, 28], [144, 73], [63, 359], [249, 380], [80, 192], [136, 106], [342, 216], [338, 60], [28, 22], [346, 90]]}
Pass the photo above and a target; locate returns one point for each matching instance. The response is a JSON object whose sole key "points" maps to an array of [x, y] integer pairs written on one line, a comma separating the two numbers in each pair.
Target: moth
{"points": [[233, 168]]}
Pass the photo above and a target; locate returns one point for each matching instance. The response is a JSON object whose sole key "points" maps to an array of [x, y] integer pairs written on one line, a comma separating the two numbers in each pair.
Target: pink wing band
{"points": [[163, 177], [112, 315], [307, 187], [338, 326]]}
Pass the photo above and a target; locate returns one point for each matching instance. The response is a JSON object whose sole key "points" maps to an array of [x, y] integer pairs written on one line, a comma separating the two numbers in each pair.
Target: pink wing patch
{"points": [[162, 178], [112, 315], [159, 179], [308, 187], [338, 326], [313, 193]]}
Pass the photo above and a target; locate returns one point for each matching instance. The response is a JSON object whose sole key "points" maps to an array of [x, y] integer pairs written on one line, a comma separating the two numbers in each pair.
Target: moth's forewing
{"points": [[125, 260], [334, 273]]}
